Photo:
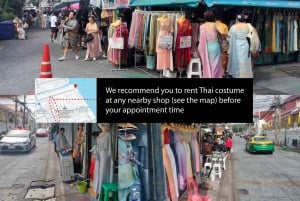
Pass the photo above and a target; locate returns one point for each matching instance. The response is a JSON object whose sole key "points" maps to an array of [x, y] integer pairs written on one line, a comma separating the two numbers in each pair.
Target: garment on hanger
{"points": [[181, 154], [164, 55], [118, 30], [103, 163], [182, 55]]}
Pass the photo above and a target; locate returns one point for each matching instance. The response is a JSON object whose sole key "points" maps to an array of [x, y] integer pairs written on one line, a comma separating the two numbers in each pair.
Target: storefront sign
{"points": [[165, 42], [185, 42], [116, 43]]}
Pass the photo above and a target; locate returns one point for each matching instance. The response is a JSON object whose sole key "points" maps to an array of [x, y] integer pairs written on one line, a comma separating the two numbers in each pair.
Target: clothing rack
{"points": [[151, 13]]}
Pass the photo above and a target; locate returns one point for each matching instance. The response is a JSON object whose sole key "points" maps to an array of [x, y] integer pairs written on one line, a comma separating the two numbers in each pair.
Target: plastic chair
{"points": [[218, 169], [207, 167], [194, 68], [106, 189]]}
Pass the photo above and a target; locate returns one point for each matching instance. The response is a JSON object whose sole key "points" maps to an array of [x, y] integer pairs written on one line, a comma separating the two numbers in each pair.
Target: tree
{"points": [[10, 9]]}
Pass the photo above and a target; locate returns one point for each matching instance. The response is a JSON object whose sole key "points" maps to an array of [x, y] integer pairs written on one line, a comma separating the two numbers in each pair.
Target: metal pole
{"points": [[16, 111], [285, 136], [24, 111]]}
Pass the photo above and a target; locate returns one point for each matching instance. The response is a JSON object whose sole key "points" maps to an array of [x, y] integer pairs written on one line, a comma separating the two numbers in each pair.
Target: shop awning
{"points": [[174, 3], [255, 3]]}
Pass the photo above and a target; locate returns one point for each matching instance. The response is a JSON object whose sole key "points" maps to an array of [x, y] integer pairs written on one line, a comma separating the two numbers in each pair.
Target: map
{"points": [[65, 100]]}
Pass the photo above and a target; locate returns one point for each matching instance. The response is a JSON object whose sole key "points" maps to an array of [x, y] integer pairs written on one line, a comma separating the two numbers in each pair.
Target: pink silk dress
{"points": [[210, 52], [164, 56]]}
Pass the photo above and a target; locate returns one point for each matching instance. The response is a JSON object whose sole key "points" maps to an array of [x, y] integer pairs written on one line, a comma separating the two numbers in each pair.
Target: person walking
{"points": [[228, 144], [71, 27], [209, 47], [54, 27], [94, 46], [239, 61]]}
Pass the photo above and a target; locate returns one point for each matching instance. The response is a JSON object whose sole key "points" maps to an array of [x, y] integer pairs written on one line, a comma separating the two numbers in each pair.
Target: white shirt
{"points": [[53, 20]]}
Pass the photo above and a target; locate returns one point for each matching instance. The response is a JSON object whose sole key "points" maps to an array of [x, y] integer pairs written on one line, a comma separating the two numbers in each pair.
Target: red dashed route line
{"points": [[54, 107]]}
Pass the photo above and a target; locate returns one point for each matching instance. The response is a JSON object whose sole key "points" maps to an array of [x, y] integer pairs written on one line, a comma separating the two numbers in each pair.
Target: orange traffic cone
{"points": [[46, 65]]}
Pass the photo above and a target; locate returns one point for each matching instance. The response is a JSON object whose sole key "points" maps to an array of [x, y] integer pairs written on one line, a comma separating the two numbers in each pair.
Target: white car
{"points": [[18, 140]]}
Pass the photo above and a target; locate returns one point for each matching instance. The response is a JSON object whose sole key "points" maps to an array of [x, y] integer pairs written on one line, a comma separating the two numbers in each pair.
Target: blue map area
{"points": [[87, 87]]}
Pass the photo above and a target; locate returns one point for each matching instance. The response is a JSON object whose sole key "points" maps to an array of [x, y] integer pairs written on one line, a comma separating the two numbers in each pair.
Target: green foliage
{"points": [[7, 16], [10, 9]]}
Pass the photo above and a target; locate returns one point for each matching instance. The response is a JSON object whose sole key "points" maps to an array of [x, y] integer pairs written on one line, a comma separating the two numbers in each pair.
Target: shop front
{"points": [[90, 155], [160, 161], [277, 24]]}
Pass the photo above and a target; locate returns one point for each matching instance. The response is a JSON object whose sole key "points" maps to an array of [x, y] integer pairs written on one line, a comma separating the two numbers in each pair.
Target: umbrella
{"points": [[73, 6], [61, 5]]}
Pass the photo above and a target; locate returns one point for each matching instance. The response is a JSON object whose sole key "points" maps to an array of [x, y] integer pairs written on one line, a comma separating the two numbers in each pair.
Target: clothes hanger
{"points": [[127, 136]]}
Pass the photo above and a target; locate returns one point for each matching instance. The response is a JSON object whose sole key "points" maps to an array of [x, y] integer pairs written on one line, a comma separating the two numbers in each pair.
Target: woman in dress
{"points": [[239, 61], [209, 47], [93, 47]]}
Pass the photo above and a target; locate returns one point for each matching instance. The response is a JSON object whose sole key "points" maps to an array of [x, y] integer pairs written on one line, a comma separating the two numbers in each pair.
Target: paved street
{"points": [[277, 79], [264, 177], [21, 62], [17, 170]]}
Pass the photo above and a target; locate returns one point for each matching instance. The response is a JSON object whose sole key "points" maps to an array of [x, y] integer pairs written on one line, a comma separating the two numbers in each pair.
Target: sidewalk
{"points": [[63, 191], [277, 79], [222, 189]]}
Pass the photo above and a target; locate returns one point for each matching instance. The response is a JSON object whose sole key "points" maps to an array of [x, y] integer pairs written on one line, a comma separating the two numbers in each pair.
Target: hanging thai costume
{"points": [[182, 55]]}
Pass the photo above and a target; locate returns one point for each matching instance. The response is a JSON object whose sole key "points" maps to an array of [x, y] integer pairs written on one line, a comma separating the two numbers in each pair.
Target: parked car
{"points": [[41, 132], [19, 140], [2, 133], [260, 144]]}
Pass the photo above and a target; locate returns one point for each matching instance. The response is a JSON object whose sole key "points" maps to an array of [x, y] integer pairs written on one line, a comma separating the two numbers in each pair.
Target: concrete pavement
{"points": [[277, 79], [21, 60]]}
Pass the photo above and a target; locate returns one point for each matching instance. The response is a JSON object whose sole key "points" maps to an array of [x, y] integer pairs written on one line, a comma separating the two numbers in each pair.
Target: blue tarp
{"points": [[255, 3], [183, 3]]}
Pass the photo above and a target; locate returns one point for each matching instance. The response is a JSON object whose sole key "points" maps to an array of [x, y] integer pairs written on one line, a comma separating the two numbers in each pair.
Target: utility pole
{"points": [[16, 111]]}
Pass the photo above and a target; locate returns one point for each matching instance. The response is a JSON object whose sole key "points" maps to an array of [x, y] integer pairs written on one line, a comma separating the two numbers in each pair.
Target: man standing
{"points": [[54, 27], [61, 141], [71, 27]]}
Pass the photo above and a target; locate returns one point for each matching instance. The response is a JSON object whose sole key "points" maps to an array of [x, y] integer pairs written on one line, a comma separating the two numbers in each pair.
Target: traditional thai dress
{"points": [[182, 55], [164, 55], [239, 61], [103, 162], [210, 52], [182, 165], [170, 167], [120, 30]]}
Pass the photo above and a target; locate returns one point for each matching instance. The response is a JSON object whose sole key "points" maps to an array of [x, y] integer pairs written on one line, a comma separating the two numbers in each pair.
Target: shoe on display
{"points": [[61, 58]]}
